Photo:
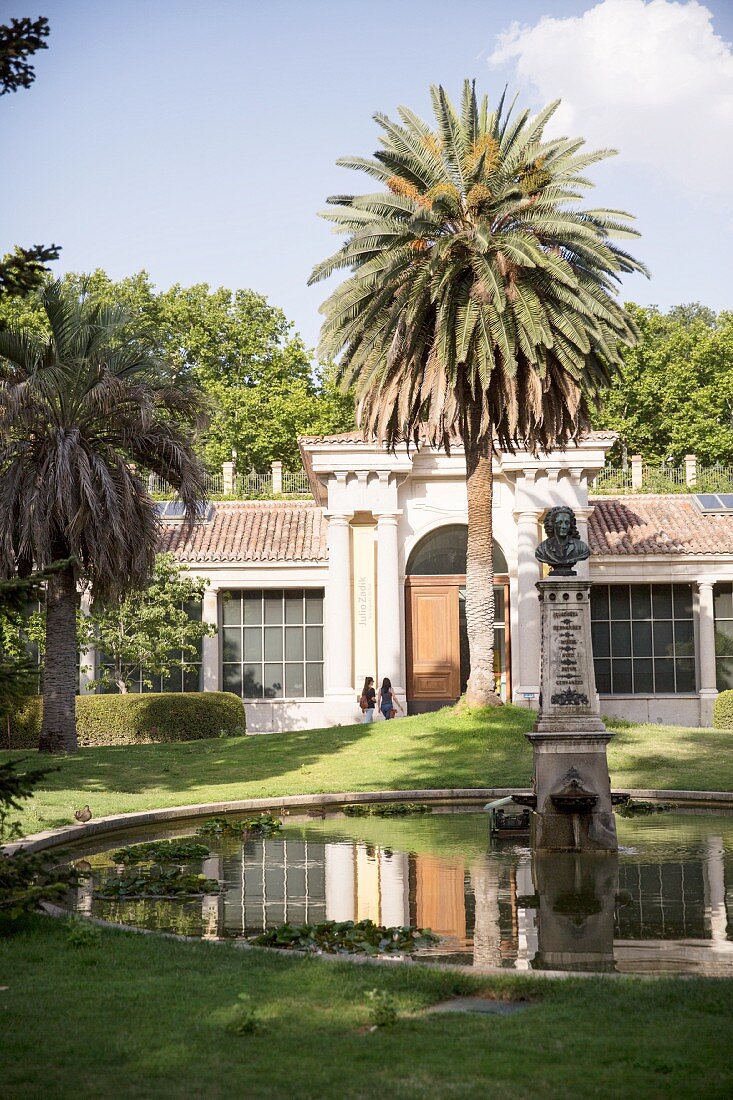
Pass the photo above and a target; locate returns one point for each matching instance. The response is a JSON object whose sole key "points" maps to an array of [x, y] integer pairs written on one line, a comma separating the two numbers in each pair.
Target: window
{"points": [[724, 635], [272, 643], [643, 638], [443, 553], [185, 668]]}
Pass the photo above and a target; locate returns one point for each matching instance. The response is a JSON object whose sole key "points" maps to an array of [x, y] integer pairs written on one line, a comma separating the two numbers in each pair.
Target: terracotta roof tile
{"points": [[254, 530], [650, 524]]}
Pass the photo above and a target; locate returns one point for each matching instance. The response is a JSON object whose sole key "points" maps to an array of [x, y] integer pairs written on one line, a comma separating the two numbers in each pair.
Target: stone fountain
{"points": [[572, 787]]}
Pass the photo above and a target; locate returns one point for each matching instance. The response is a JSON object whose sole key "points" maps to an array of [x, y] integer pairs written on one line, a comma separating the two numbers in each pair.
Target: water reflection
{"points": [[663, 904]]}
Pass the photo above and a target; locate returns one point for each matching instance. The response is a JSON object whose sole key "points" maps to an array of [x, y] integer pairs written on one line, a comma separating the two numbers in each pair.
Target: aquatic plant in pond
{"points": [[184, 850], [156, 882], [262, 825], [640, 808], [347, 938], [386, 809]]}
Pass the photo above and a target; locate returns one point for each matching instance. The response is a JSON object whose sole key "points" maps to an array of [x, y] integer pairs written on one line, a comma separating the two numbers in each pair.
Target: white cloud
{"points": [[648, 77]]}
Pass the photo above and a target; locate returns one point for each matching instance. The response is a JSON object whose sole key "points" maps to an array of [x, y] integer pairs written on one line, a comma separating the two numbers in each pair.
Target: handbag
{"points": [[393, 713], [363, 703]]}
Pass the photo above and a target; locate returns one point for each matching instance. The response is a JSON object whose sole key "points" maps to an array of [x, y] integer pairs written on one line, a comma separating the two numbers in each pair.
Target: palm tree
{"points": [[481, 303], [81, 409]]}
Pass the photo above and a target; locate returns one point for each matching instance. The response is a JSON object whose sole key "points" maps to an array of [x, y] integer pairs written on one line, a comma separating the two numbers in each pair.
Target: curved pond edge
{"points": [[52, 838]]}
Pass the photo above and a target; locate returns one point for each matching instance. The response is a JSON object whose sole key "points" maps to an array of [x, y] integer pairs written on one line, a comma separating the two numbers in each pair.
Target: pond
{"points": [[663, 905]]}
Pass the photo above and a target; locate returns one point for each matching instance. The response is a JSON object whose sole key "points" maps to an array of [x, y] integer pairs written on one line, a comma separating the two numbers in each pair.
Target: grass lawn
{"points": [[139, 1016], [443, 749]]}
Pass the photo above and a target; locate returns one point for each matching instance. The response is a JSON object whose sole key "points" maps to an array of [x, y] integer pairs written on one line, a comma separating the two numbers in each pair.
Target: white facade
{"points": [[379, 506]]}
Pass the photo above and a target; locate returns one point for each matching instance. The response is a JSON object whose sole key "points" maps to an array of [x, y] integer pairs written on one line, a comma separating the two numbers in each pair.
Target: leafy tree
{"points": [[148, 632], [23, 268], [674, 394], [263, 389], [18, 671], [480, 302], [80, 411]]}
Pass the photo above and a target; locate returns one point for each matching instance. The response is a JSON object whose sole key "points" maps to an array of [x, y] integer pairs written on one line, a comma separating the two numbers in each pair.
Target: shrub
{"points": [[136, 719], [723, 711]]}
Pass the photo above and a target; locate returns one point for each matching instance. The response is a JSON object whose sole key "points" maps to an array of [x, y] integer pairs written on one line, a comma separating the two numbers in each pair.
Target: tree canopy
{"points": [[674, 393], [263, 388]]}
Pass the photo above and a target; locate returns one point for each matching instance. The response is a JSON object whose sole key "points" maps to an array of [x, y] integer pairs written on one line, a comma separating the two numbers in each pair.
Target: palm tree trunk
{"points": [[480, 691], [58, 731]]}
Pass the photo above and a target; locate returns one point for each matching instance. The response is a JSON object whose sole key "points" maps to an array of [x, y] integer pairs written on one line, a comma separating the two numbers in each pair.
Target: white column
{"points": [[582, 515], [227, 475], [690, 469], [526, 692], [87, 657], [389, 641], [277, 478], [716, 917], [394, 884], [637, 471], [706, 642], [210, 648], [338, 633]]}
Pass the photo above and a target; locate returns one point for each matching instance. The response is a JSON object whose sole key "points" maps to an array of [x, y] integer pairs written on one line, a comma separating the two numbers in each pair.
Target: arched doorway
{"points": [[435, 620]]}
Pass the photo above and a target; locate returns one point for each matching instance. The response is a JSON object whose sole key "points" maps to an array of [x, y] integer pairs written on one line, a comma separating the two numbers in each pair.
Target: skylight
{"points": [[714, 502], [174, 511]]}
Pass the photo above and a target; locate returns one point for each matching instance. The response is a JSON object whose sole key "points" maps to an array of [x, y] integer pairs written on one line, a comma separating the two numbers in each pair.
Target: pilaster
{"points": [[706, 644], [210, 659], [389, 642]]}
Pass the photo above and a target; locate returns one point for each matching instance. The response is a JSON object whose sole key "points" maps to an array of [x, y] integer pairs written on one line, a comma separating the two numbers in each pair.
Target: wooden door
{"points": [[434, 643]]}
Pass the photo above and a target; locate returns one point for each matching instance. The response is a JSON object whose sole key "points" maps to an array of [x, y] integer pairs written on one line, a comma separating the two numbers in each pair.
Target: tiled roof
{"points": [[649, 524], [252, 530]]}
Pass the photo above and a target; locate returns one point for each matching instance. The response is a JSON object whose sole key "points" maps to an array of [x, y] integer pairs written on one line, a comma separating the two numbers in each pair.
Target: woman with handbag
{"points": [[389, 704], [368, 700]]}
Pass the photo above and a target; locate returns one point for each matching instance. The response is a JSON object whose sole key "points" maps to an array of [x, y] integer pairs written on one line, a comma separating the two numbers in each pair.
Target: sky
{"points": [[198, 141]]}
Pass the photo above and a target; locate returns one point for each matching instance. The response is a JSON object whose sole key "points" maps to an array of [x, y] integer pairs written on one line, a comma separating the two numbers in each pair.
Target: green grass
{"points": [[444, 749], [138, 1016]]}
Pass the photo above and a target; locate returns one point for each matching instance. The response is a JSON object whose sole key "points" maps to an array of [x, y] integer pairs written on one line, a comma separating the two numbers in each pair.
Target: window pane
{"points": [[294, 607], [682, 601], [662, 600], [232, 678], [293, 644], [273, 607], [619, 601], [663, 645], [642, 638], [725, 673], [723, 601], [599, 601], [724, 639], [621, 639], [252, 688], [294, 681], [684, 638], [499, 602], [314, 643], [192, 679], [641, 601], [685, 674], [643, 677], [603, 676], [231, 643], [664, 676], [273, 643], [601, 638], [273, 681], [314, 681], [621, 677], [252, 643], [252, 607], [314, 606], [231, 608], [193, 610]]}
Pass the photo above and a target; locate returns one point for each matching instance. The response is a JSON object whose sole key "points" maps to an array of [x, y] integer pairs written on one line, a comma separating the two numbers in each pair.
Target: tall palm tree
{"points": [[481, 302], [80, 410]]}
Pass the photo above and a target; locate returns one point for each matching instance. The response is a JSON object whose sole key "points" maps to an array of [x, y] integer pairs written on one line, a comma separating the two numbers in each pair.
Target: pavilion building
{"points": [[368, 578]]}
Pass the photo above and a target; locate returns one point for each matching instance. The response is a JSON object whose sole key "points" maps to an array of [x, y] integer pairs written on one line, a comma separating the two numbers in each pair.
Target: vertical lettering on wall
{"points": [[364, 615]]}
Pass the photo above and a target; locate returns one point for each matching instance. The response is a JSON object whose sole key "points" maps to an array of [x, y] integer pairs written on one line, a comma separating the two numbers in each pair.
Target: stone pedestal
{"points": [[569, 740]]}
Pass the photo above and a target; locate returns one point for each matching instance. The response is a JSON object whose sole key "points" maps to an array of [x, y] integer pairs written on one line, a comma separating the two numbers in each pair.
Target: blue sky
{"points": [[198, 141]]}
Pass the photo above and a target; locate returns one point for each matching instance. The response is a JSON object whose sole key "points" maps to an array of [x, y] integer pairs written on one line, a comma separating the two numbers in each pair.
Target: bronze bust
{"points": [[563, 547]]}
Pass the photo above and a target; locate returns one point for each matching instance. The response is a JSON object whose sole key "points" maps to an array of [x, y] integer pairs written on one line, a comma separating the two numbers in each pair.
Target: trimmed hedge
{"points": [[136, 719], [723, 711]]}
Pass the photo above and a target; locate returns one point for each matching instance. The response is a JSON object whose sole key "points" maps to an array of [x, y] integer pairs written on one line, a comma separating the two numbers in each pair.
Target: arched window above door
{"points": [[443, 553]]}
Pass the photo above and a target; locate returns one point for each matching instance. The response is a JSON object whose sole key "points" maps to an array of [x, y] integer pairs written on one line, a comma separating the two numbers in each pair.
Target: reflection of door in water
{"points": [[500, 669]]}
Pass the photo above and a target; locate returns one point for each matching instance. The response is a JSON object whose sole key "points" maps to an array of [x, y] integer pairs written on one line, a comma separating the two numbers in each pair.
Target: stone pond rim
{"points": [[98, 827]]}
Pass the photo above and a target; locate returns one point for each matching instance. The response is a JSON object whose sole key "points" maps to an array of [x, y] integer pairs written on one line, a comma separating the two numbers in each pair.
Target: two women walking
{"points": [[387, 702]]}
